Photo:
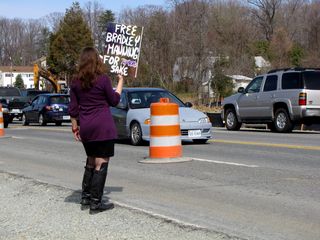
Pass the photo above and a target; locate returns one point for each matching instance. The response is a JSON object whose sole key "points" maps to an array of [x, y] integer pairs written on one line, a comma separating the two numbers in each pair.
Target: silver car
{"points": [[132, 116]]}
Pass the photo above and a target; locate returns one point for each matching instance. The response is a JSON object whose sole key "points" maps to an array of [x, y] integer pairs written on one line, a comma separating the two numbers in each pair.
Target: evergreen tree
{"points": [[296, 54], [19, 82], [222, 85], [66, 44], [106, 17]]}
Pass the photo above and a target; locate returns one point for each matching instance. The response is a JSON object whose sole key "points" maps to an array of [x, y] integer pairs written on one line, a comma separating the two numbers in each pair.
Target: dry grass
{"points": [[189, 97]]}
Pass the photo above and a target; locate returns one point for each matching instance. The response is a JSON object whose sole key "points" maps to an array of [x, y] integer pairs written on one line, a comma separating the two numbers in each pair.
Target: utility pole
{"points": [[11, 72]]}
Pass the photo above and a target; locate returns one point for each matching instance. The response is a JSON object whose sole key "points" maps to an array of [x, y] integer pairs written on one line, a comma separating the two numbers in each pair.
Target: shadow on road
{"points": [[75, 196]]}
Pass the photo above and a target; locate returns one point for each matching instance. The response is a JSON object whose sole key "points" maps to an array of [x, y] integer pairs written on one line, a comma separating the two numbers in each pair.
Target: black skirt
{"points": [[99, 149]]}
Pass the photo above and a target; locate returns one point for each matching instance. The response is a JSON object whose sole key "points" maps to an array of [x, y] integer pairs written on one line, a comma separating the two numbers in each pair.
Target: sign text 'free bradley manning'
{"points": [[122, 49]]}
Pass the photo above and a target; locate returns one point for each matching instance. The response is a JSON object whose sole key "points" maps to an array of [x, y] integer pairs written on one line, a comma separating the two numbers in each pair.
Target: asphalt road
{"points": [[252, 184]]}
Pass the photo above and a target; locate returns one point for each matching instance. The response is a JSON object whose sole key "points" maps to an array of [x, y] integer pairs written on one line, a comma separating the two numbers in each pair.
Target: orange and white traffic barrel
{"points": [[1, 122], [165, 141]]}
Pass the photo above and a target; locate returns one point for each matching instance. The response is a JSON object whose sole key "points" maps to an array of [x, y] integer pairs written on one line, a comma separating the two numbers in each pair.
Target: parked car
{"points": [[280, 98], [47, 108], [30, 94], [5, 113], [132, 116]]}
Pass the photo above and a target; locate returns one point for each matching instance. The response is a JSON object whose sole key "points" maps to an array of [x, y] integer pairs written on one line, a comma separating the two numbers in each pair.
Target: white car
{"points": [[132, 116]]}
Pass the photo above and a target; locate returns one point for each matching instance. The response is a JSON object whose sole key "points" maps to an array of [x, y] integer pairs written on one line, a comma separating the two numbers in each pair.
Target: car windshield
{"points": [[312, 80], [59, 100], [143, 99], [6, 92]]}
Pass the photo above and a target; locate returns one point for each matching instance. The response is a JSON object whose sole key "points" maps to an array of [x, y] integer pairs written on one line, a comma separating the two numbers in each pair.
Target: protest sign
{"points": [[122, 48]]}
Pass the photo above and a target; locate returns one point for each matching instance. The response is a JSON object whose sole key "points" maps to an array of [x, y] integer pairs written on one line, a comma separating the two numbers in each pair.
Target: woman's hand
{"points": [[120, 77], [76, 133], [75, 129]]}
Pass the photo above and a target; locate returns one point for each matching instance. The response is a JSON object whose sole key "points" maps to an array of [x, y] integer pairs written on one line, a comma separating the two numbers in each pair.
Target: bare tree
{"points": [[21, 41], [313, 35], [191, 39], [264, 12], [52, 20], [231, 34]]}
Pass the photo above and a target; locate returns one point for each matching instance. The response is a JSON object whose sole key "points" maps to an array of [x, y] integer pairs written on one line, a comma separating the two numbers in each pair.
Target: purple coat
{"points": [[91, 107]]}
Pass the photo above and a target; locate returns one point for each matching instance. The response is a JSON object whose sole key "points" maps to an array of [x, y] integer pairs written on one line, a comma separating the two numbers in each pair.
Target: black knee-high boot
{"points": [[86, 185], [97, 187]]}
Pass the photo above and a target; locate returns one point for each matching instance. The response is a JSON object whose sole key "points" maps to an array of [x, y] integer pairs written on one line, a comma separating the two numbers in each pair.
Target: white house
{"points": [[9, 74], [239, 81], [261, 63]]}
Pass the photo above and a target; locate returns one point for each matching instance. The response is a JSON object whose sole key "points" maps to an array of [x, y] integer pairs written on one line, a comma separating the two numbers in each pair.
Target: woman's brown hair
{"points": [[90, 66]]}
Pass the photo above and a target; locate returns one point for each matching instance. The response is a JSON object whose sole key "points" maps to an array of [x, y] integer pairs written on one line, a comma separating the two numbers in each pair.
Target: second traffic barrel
{"points": [[165, 141]]}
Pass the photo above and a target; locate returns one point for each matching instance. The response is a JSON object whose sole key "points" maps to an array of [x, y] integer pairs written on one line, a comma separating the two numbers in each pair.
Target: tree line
{"points": [[284, 32]]}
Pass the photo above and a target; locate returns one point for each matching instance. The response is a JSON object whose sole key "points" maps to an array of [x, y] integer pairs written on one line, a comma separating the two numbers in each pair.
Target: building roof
{"points": [[240, 78], [16, 68]]}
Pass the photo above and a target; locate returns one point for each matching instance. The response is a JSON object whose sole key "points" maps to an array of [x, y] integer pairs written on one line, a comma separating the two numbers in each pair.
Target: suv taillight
{"points": [[302, 99]]}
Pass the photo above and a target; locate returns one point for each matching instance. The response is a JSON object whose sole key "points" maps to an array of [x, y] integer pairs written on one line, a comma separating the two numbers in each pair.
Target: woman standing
{"points": [[91, 95]]}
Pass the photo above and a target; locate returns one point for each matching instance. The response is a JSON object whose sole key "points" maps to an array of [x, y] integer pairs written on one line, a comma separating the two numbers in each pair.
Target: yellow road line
{"points": [[263, 144], [277, 145]]}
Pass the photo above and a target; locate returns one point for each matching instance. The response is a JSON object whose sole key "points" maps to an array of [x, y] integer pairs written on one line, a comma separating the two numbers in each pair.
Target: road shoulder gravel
{"points": [[35, 210]]}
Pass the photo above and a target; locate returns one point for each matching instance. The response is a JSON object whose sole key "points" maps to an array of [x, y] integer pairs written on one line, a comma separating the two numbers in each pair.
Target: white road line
{"points": [[228, 163], [161, 216], [17, 137]]}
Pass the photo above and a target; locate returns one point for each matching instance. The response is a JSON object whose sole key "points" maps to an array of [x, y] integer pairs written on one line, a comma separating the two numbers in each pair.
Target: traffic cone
{"points": [[165, 137], [1, 122]]}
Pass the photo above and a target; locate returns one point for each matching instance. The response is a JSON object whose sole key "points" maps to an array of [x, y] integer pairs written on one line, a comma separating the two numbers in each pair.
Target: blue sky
{"points": [[38, 8]]}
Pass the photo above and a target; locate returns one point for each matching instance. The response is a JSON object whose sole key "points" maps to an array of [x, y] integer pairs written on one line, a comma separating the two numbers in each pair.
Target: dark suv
{"points": [[15, 101], [280, 98]]}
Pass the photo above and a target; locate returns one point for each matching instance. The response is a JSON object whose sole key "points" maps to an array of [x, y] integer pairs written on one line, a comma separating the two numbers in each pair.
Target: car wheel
{"points": [[11, 119], [282, 121], [41, 120], [136, 134], [231, 120], [24, 120], [200, 141]]}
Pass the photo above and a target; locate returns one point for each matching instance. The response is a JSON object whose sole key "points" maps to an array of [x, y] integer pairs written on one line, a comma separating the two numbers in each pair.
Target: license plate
{"points": [[194, 133], [66, 117]]}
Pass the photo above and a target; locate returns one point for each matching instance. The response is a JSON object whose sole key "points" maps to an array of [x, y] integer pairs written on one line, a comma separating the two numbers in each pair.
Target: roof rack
{"points": [[293, 69]]}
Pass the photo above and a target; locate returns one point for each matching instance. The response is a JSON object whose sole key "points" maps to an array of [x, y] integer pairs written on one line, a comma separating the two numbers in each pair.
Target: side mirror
{"points": [[241, 90], [188, 104]]}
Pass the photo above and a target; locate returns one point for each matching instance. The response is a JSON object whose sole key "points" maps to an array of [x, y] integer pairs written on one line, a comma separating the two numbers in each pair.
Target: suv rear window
{"points": [[291, 81], [59, 100], [311, 80]]}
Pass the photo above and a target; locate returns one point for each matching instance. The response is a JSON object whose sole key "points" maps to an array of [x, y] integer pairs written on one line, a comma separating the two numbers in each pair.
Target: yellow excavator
{"points": [[38, 72]]}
